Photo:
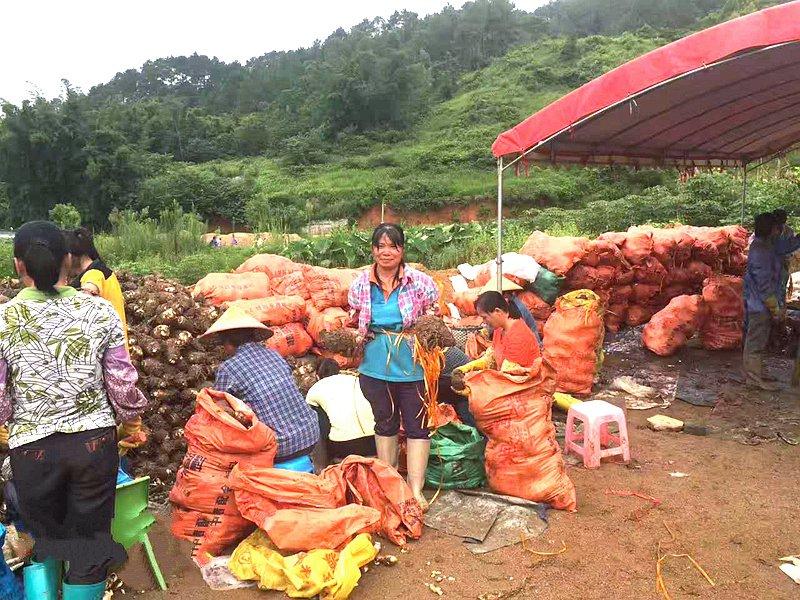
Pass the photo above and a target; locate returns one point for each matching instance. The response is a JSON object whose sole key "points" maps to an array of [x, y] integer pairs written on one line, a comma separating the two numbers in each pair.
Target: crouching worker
{"points": [[262, 379], [346, 422], [64, 377]]}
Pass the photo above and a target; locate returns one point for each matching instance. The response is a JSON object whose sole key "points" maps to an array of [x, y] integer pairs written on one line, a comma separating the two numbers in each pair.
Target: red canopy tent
{"points": [[726, 96]]}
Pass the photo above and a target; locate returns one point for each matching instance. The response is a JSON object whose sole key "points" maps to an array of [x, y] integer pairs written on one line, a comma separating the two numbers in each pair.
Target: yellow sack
{"points": [[330, 574]]}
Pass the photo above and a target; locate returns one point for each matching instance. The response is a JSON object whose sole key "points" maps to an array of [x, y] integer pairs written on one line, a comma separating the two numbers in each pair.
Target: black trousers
{"points": [[363, 446], [66, 485]]}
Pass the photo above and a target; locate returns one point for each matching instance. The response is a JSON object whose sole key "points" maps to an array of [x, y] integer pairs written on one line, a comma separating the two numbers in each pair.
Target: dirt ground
{"points": [[735, 513]]}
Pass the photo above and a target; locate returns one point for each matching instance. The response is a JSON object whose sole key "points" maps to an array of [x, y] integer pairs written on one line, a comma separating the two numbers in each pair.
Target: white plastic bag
{"points": [[518, 265]]}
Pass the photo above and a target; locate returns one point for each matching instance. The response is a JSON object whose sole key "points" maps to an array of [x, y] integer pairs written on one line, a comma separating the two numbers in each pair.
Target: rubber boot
{"points": [[42, 580], [753, 368], [417, 460], [387, 449], [92, 591]]}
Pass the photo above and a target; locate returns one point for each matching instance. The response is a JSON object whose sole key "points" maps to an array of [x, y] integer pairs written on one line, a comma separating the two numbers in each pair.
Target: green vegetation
{"points": [[401, 110]]}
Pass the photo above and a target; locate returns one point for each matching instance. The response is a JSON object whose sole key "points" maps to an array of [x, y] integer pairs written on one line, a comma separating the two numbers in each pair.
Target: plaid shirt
{"points": [[418, 295], [263, 380]]}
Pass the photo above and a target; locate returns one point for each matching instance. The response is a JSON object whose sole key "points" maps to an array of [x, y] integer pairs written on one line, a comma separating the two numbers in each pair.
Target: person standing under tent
{"points": [[761, 290], [388, 298], [65, 380]]}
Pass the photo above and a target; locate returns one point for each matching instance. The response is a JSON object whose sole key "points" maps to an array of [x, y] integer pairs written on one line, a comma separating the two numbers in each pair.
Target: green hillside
{"points": [[402, 110]]}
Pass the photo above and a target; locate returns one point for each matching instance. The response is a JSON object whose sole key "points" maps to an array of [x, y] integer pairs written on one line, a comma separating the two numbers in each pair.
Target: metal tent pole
{"points": [[744, 191], [500, 224]]}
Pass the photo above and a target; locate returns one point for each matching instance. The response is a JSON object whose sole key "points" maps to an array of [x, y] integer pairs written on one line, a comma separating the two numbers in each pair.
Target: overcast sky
{"points": [[89, 41]]}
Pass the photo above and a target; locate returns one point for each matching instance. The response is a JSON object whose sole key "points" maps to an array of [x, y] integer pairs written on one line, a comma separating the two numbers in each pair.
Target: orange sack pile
{"points": [[573, 340], [275, 310], [558, 254], [301, 511], [523, 458], [670, 329], [329, 287], [273, 265], [204, 508], [290, 340], [219, 288]]}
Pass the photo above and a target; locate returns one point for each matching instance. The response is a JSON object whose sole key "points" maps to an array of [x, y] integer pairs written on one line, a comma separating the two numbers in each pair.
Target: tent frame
{"points": [[501, 167]]}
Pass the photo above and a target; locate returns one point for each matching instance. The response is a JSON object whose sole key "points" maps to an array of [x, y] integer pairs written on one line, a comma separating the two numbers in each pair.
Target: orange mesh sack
{"points": [[669, 329], [271, 264], [290, 340], [649, 270], [204, 508], [465, 302], [302, 511], [639, 314], [573, 339], [540, 309], [522, 456], [723, 294], [615, 315], [373, 483], [291, 284], [724, 329], [638, 245], [275, 310], [330, 319], [329, 287], [209, 534], [603, 252], [299, 511], [557, 254], [219, 288]]}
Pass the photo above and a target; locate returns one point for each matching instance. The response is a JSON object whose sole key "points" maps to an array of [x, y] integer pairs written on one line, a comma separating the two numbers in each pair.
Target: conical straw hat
{"points": [[508, 285], [237, 318]]}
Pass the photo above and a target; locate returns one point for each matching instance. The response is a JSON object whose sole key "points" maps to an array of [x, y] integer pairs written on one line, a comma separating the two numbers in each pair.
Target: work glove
{"points": [[4, 436], [772, 305], [478, 364], [130, 435]]}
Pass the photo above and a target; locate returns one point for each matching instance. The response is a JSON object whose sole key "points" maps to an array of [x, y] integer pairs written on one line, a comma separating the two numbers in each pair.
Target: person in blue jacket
{"points": [[762, 291]]}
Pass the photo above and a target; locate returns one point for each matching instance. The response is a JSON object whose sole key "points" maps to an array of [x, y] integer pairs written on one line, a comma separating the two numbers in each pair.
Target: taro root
{"points": [[198, 358], [187, 395], [341, 341], [184, 337], [149, 346], [433, 333], [136, 352], [172, 351], [162, 331], [153, 367]]}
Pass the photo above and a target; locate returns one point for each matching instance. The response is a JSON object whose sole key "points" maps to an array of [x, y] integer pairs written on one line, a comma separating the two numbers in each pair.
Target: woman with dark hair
{"points": [[65, 379], [90, 274], [389, 298], [346, 422], [513, 342]]}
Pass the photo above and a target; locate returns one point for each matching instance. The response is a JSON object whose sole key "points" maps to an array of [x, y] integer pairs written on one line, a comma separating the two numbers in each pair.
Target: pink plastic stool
{"points": [[595, 416]]}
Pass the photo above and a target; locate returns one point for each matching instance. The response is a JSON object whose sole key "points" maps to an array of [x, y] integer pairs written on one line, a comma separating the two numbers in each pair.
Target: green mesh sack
{"points": [[456, 459], [547, 285]]}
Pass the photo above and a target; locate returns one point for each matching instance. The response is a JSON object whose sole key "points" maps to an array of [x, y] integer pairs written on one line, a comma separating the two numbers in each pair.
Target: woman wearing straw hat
{"points": [[262, 379]]}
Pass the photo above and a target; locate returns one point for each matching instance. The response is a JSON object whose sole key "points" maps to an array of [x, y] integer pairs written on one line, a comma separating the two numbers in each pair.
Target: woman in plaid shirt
{"points": [[389, 298]]}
